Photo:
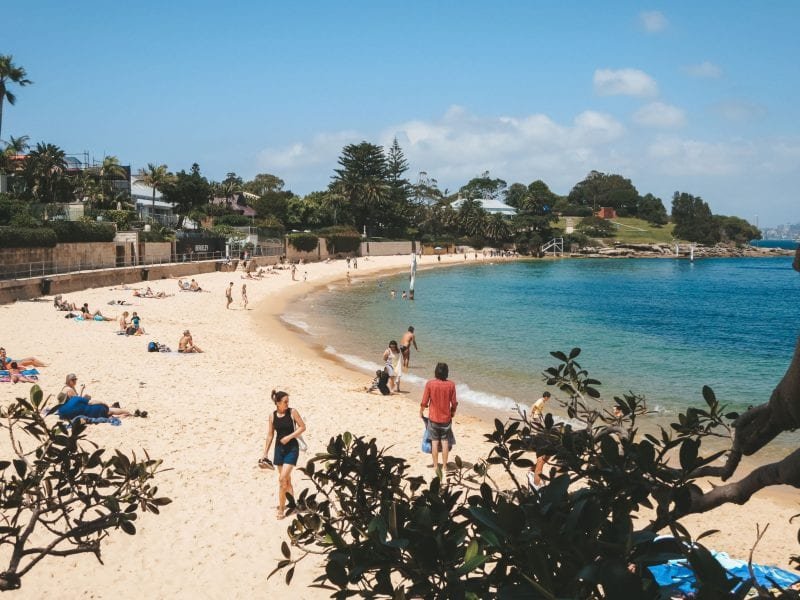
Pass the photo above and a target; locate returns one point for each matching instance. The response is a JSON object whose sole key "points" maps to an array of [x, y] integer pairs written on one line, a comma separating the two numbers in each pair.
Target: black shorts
{"points": [[438, 431]]}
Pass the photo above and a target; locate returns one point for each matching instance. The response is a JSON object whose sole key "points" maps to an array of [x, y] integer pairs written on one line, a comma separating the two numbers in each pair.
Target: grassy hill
{"points": [[632, 231]]}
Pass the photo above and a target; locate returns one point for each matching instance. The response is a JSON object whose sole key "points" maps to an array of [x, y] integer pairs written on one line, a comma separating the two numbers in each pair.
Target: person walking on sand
{"points": [[540, 441], [439, 397], [229, 295], [294, 272], [409, 338], [244, 296], [286, 425]]}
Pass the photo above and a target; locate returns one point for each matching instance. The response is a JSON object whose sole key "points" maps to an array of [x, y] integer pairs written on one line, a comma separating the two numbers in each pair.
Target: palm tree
{"points": [[9, 73], [44, 171], [156, 177], [13, 147], [110, 170]]}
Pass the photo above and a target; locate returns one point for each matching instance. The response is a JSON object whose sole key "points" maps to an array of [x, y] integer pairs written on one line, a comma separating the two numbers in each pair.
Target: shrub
{"points": [[304, 242], [26, 237], [77, 231], [234, 220], [341, 238], [60, 494], [154, 236]]}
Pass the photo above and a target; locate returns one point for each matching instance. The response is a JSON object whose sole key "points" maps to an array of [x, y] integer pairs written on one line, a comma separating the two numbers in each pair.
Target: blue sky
{"points": [[699, 97]]}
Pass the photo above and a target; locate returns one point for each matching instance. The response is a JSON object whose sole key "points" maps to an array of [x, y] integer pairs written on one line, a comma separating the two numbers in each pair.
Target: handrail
{"points": [[557, 244], [46, 268]]}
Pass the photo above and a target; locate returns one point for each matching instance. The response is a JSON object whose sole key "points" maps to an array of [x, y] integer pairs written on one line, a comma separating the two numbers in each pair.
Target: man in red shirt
{"points": [[439, 398]]}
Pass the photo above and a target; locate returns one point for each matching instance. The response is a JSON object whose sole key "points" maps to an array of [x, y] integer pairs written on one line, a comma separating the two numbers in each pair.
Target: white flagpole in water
{"points": [[413, 275]]}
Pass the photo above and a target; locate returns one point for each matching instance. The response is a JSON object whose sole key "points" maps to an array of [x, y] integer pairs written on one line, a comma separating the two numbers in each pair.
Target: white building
{"points": [[491, 206]]}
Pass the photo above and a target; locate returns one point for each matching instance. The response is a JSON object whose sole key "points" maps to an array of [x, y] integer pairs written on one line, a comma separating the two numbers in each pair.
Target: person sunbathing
{"points": [[186, 344], [93, 316], [195, 287], [62, 304], [184, 286], [72, 404], [17, 376], [29, 361]]}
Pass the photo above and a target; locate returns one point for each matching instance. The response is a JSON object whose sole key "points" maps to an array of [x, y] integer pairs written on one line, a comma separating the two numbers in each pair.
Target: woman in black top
{"points": [[287, 425]]}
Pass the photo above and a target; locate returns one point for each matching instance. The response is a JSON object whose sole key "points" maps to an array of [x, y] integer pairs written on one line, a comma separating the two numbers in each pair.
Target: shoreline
{"points": [[208, 415]]}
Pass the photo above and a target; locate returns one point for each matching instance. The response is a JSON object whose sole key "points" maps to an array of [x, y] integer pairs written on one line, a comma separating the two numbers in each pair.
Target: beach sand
{"points": [[208, 413]]}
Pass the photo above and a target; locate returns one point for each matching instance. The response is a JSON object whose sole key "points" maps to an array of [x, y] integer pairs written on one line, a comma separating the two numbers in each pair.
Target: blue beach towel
{"points": [[5, 376], [677, 575]]}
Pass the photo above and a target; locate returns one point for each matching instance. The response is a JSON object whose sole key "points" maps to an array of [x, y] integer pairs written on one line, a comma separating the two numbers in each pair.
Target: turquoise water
{"points": [[658, 327]]}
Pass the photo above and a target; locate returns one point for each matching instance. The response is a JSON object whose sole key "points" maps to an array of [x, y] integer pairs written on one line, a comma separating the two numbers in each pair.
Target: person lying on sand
{"points": [[186, 345], [16, 376], [93, 316], [183, 285], [29, 361], [72, 404]]}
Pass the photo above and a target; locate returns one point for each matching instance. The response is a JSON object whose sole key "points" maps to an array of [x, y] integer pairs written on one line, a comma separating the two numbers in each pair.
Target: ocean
{"points": [[662, 328]]}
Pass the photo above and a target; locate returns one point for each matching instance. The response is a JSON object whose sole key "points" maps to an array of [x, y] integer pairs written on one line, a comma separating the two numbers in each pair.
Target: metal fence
{"points": [[44, 268]]}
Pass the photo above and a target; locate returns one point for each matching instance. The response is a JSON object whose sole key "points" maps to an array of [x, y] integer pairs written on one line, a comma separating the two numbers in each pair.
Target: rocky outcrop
{"points": [[684, 251]]}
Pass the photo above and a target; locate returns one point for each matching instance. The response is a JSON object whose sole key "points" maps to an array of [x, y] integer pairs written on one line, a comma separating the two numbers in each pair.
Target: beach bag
{"points": [[152, 347]]}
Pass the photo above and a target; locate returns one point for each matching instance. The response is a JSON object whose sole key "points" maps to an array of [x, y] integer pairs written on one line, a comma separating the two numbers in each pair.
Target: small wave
{"points": [[478, 398], [296, 322], [356, 361]]}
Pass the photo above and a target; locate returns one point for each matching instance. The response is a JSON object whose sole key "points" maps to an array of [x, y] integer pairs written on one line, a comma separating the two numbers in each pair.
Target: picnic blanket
{"points": [[5, 376], [677, 575]]}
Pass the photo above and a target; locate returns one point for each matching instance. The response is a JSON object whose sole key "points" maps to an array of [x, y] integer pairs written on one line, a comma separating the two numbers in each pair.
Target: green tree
{"points": [[472, 218], [652, 210], [598, 190], [693, 219], [10, 74], [534, 220], [189, 192], [45, 174], [483, 187], [498, 228], [363, 180], [735, 230], [157, 177], [397, 210], [263, 183]]}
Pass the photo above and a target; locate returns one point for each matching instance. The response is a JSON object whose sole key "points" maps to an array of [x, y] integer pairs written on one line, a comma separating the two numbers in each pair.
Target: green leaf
{"points": [[128, 527], [289, 575], [560, 356], [688, 454], [574, 353], [21, 467], [709, 397], [285, 550]]}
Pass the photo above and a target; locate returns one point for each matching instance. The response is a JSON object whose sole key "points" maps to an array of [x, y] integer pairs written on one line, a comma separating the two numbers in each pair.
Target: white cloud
{"points": [[624, 82], [739, 111], [460, 145], [661, 115], [653, 21], [679, 157], [703, 70]]}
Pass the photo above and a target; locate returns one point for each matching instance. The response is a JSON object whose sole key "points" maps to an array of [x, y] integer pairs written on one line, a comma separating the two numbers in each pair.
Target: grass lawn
{"points": [[632, 231]]}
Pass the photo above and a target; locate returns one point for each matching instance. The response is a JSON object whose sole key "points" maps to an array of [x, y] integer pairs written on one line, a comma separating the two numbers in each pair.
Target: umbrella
{"points": [[438, 248]]}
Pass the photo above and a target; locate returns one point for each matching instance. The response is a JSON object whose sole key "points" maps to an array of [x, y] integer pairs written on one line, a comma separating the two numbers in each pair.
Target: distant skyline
{"points": [[692, 97]]}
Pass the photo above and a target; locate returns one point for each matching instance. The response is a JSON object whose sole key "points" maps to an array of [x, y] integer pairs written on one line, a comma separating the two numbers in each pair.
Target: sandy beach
{"points": [[208, 413]]}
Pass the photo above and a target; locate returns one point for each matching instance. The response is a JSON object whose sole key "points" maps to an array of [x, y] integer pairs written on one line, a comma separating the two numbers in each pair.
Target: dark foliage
{"points": [[305, 242], [79, 231], [38, 237]]}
